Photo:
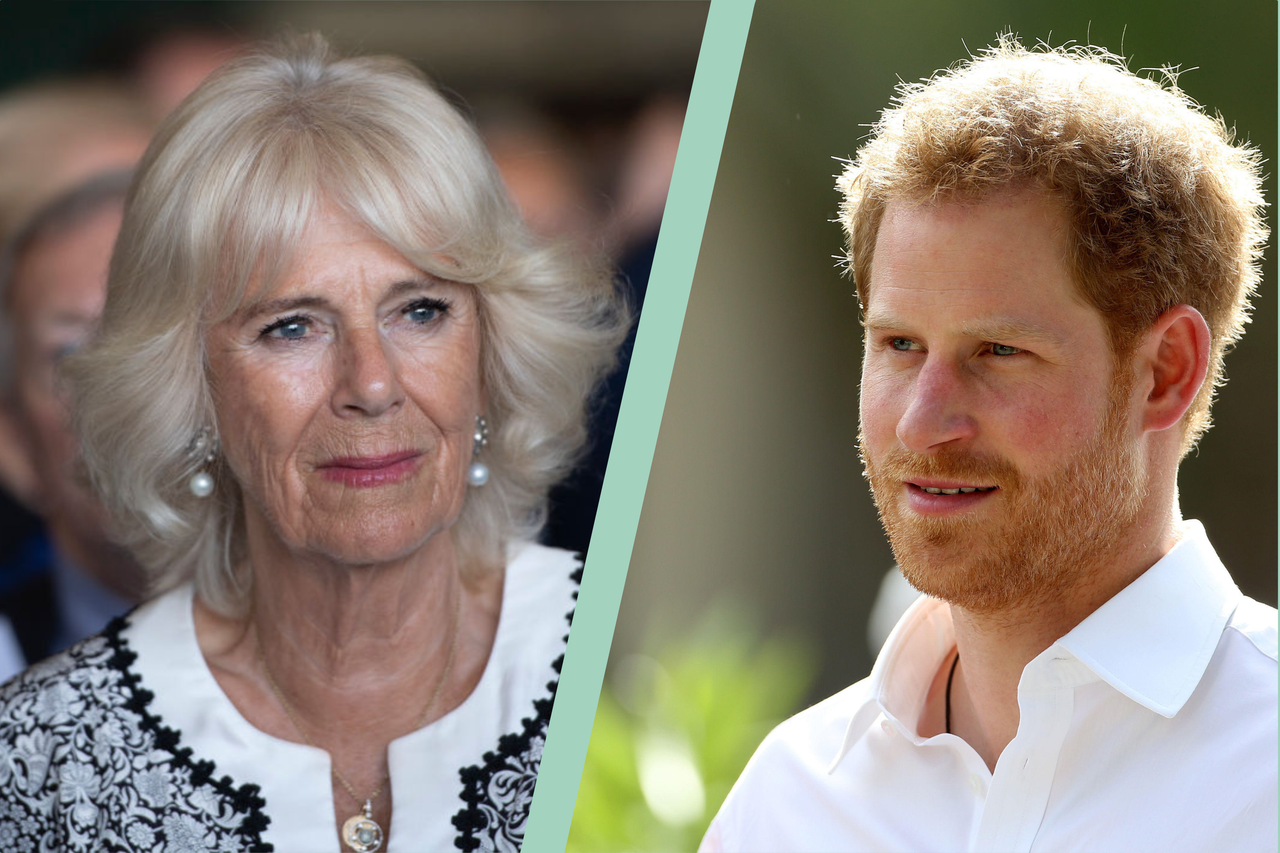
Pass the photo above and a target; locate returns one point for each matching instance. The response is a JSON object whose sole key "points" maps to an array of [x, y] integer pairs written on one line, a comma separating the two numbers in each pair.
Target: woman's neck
{"points": [[360, 655], [350, 627]]}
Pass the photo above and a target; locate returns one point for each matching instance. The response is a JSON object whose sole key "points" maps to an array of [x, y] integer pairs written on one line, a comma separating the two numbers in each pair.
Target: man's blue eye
{"points": [[1004, 349], [902, 344]]}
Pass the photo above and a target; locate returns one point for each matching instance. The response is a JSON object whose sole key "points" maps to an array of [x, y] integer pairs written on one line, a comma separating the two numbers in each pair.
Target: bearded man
{"points": [[1052, 255]]}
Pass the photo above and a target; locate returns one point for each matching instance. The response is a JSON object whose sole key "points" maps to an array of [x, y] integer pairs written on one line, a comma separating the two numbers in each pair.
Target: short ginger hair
{"points": [[1164, 206]]}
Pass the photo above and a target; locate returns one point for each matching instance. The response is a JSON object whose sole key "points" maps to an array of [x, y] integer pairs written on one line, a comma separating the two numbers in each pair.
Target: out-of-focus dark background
{"points": [[759, 555], [581, 104]]}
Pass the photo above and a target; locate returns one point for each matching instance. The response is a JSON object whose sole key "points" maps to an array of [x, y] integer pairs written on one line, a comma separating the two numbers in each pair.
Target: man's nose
{"points": [[368, 381], [939, 407]]}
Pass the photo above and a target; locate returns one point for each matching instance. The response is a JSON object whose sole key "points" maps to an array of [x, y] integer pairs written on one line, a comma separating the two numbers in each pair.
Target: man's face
{"points": [[59, 288], [995, 429]]}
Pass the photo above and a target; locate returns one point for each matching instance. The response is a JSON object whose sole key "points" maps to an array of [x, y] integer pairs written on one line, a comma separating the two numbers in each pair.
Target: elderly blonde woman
{"points": [[334, 381]]}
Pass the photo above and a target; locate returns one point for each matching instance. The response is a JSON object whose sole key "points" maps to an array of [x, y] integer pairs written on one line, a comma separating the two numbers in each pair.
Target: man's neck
{"points": [[995, 647]]}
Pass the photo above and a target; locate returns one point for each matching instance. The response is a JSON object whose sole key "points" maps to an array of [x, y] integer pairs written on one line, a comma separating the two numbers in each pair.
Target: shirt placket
{"points": [[1018, 791]]}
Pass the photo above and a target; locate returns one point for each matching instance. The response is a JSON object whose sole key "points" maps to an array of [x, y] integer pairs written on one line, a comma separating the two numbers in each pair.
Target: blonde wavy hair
{"points": [[225, 192], [1165, 208]]}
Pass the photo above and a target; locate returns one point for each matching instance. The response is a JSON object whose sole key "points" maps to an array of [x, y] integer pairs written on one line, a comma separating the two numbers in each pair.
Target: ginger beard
{"points": [[1038, 537]]}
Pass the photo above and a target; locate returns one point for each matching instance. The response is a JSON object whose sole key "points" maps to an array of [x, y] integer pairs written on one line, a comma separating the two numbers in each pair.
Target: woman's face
{"points": [[347, 397]]}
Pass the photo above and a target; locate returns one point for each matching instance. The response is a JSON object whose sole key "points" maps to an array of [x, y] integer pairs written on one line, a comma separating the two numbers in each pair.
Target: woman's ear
{"points": [[1174, 359]]}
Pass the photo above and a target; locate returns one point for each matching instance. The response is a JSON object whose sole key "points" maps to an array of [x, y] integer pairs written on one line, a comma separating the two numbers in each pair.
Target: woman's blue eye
{"points": [[422, 314], [425, 311], [289, 329]]}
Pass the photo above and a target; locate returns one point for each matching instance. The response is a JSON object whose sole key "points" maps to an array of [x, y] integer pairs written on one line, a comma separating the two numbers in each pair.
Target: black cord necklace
{"points": [[950, 677]]}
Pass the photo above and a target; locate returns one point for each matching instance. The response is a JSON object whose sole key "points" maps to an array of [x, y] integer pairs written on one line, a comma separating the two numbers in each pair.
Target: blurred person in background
{"points": [[335, 378], [169, 64], [54, 136], [1052, 256], [53, 280], [544, 171], [629, 232]]}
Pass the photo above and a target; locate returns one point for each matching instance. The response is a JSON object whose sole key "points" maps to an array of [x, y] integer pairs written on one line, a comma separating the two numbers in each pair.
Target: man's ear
{"points": [[1174, 358], [18, 474]]}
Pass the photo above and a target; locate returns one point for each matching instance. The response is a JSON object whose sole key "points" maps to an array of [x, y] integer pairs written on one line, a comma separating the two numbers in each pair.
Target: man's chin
{"points": [[932, 543], [966, 584], [965, 566]]}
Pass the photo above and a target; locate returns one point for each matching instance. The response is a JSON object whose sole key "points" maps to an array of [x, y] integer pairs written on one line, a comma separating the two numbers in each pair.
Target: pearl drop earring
{"points": [[203, 445], [478, 473]]}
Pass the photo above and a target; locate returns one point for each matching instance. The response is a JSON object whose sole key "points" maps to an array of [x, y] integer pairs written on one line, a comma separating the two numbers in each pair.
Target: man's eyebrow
{"points": [[1007, 328], [986, 329], [874, 319]]}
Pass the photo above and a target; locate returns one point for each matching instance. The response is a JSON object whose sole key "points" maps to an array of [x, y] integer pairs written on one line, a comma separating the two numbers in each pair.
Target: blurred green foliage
{"points": [[673, 731]]}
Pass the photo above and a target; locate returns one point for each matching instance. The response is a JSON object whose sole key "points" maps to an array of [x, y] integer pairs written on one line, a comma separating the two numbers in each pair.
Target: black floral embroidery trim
{"points": [[475, 779], [246, 799]]}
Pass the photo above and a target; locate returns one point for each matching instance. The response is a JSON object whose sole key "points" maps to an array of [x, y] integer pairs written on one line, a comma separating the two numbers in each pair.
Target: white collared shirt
{"points": [[1151, 726]]}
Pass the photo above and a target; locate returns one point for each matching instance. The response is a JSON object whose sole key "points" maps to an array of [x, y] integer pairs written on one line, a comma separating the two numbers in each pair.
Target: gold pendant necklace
{"points": [[361, 832]]}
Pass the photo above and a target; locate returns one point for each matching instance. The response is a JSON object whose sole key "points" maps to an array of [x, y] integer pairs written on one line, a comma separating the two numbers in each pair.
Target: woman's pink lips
{"points": [[924, 503], [368, 471]]}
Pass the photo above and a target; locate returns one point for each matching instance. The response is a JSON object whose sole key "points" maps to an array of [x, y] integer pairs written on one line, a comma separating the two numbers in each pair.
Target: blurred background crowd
{"points": [[755, 583], [581, 105]]}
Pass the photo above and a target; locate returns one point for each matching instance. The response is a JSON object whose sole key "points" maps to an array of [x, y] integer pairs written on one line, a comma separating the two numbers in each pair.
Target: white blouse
{"points": [[462, 782]]}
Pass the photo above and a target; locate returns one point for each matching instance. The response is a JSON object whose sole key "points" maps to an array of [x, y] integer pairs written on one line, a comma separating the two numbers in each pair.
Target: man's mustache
{"points": [[952, 465]]}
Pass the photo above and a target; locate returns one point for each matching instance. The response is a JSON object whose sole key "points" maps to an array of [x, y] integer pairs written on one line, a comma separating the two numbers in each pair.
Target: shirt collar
{"points": [[903, 671], [1151, 642]]}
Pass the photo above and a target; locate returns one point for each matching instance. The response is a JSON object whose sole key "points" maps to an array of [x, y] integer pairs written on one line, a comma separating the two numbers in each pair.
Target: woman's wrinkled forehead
{"points": [[258, 260]]}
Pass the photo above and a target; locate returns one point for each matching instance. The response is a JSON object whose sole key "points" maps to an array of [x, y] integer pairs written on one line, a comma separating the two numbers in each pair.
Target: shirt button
{"points": [[975, 784], [886, 726]]}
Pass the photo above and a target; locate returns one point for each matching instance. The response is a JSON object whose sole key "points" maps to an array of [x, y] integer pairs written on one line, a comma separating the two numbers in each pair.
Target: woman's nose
{"points": [[368, 381], [938, 408]]}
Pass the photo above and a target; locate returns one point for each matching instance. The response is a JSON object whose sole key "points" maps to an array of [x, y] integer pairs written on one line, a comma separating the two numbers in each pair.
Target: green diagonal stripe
{"points": [[646, 393]]}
